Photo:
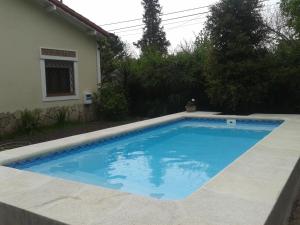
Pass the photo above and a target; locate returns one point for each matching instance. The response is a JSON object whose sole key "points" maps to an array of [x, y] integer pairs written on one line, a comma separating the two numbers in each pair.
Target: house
{"points": [[49, 56]]}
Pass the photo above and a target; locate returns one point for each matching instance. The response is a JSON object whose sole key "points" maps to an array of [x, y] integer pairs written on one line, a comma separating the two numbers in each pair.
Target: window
{"points": [[59, 74], [59, 78]]}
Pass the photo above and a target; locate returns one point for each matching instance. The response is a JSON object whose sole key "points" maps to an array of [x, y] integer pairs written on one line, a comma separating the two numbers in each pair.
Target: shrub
{"points": [[61, 115], [159, 85], [29, 121], [111, 102]]}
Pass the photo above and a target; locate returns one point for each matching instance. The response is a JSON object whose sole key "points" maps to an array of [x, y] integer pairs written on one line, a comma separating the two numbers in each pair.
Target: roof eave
{"points": [[74, 17]]}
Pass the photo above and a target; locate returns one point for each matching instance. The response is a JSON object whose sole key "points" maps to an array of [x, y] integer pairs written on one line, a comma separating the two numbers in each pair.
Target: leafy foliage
{"points": [[154, 37], [160, 84], [111, 102], [29, 121], [291, 9], [112, 50], [234, 65], [61, 115], [284, 85], [284, 92], [235, 72]]}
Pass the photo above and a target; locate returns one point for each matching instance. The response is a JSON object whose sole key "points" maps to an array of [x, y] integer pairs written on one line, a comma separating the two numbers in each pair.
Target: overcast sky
{"points": [[109, 11]]}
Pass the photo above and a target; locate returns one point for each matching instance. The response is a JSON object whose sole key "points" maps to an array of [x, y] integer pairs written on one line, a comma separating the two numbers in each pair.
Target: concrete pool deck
{"points": [[256, 189]]}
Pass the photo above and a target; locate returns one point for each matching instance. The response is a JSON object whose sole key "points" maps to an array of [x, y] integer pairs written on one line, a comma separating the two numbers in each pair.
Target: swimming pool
{"points": [[169, 161]]}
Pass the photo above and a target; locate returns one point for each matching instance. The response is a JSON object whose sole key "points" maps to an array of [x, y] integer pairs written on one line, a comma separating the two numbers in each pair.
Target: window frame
{"points": [[75, 61]]}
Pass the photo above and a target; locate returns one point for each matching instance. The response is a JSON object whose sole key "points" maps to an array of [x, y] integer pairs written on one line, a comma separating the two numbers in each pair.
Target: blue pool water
{"points": [[170, 161]]}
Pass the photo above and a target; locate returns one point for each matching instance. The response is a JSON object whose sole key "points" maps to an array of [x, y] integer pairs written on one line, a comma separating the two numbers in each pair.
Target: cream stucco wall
{"points": [[25, 27]]}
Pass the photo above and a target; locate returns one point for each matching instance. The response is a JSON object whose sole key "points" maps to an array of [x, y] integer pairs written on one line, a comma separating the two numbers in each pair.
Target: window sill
{"points": [[61, 95], [61, 98]]}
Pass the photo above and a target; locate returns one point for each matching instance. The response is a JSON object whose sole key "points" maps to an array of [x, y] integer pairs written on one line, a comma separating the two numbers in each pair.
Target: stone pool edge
{"points": [[251, 191]]}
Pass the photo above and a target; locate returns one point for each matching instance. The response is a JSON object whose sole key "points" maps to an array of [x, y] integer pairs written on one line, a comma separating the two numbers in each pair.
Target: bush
{"points": [[284, 92], [29, 121], [159, 85], [111, 102], [61, 115]]}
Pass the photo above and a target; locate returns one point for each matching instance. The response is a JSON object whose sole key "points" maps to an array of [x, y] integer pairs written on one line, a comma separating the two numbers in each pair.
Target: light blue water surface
{"points": [[166, 162]]}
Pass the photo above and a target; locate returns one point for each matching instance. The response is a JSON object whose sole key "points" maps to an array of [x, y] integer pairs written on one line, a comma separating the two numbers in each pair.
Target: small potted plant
{"points": [[191, 106]]}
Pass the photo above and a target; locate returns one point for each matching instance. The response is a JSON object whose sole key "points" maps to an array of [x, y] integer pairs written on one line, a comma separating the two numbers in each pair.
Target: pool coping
{"points": [[256, 189]]}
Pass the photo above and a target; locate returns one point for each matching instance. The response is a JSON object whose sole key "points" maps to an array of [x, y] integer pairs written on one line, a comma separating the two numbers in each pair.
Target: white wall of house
{"points": [[26, 27]]}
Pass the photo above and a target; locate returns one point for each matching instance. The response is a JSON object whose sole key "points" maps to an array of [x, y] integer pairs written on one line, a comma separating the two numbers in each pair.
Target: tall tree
{"points": [[291, 9], [112, 51], [154, 37], [234, 71], [285, 83]]}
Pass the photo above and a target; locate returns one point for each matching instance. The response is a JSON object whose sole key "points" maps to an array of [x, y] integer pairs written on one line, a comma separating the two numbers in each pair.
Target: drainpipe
{"points": [[98, 65]]}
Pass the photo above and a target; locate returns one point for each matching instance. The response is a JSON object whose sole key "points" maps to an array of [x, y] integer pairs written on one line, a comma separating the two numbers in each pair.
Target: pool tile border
{"points": [[107, 140], [242, 194]]}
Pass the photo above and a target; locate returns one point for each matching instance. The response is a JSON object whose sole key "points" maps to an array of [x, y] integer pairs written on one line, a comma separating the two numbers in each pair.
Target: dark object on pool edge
{"points": [[191, 106]]}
